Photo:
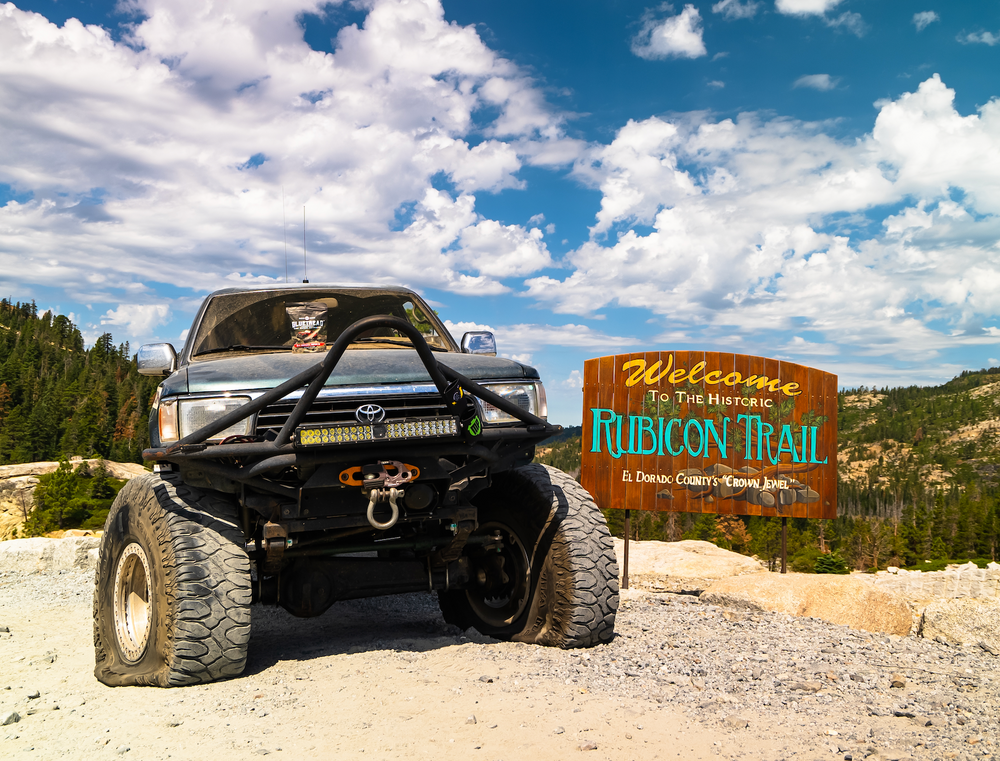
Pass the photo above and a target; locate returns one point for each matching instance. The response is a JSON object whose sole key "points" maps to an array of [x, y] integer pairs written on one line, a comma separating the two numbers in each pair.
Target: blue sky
{"points": [[811, 180]]}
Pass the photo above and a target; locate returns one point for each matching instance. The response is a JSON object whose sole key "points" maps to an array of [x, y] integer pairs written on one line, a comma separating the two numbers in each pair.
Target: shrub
{"points": [[804, 561], [942, 563], [831, 563], [67, 499]]}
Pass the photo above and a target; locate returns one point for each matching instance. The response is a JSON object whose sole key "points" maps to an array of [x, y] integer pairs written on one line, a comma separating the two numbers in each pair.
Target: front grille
{"points": [[332, 411]]}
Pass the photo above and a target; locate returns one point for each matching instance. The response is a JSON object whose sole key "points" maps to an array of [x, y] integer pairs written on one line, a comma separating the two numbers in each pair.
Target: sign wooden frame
{"points": [[710, 432]]}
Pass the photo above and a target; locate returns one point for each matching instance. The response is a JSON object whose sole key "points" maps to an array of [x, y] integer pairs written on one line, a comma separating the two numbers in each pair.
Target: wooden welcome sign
{"points": [[707, 432]]}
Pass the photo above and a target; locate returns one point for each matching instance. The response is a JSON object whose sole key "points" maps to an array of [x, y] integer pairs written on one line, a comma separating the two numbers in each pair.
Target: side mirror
{"points": [[479, 342], [156, 359]]}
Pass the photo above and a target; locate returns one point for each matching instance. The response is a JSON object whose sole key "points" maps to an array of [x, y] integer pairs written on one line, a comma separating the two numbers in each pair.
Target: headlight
{"points": [[181, 417], [530, 397]]}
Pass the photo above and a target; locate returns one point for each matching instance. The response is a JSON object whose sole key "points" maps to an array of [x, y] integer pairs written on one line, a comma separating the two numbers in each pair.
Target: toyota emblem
{"points": [[369, 413]]}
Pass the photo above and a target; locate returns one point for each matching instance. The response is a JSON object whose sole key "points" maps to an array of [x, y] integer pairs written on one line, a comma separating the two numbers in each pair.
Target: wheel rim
{"points": [[132, 603], [502, 580]]}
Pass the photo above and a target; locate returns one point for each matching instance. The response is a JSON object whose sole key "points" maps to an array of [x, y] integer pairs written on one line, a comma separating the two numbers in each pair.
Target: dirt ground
{"points": [[364, 681], [388, 679]]}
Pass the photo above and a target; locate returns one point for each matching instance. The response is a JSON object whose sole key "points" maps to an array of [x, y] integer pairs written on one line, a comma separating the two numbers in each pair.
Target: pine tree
{"points": [[100, 485], [52, 500], [831, 562]]}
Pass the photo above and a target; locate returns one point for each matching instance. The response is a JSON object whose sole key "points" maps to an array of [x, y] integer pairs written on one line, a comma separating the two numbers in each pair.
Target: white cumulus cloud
{"points": [[817, 82], [983, 38], [534, 337], [137, 319], [677, 36], [848, 20], [201, 137], [745, 240], [504, 250], [924, 19], [735, 9], [805, 7]]}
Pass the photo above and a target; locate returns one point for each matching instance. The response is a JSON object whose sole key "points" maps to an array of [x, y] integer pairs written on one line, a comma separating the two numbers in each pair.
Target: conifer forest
{"points": [[59, 399]]}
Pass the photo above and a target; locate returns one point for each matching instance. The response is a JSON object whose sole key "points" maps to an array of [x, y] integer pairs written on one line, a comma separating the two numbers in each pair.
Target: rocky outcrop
{"points": [[888, 602], [838, 599], [18, 482], [16, 501], [38, 554], [966, 580], [963, 621], [920, 588], [124, 470], [687, 566]]}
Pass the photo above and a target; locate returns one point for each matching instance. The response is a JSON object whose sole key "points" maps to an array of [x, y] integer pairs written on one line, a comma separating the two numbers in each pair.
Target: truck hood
{"points": [[356, 367]]}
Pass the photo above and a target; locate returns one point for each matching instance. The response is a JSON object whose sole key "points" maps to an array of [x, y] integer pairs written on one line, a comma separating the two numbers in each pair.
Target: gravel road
{"points": [[387, 678]]}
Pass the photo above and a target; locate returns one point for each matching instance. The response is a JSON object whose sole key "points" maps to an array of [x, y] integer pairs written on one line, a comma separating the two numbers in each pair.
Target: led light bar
{"points": [[352, 433]]}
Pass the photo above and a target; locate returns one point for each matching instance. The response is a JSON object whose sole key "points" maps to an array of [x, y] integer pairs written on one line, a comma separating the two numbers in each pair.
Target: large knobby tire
{"points": [[172, 594], [554, 579]]}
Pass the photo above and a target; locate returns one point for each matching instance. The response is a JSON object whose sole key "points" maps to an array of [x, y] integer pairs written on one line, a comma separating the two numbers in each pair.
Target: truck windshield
{"points": [[310, 320]]}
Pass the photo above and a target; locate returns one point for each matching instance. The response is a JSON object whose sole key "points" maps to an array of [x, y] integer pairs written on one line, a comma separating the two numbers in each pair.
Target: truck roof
{"points": [[310, 286]]}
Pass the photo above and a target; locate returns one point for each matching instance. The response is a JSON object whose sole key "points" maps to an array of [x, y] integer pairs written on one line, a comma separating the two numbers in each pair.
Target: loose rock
{"points": [[805, 686]]}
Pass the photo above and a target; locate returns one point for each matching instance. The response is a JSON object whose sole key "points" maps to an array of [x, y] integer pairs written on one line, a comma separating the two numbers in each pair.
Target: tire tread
{"points": [[575, 598], [207, 584], [587, 578]]}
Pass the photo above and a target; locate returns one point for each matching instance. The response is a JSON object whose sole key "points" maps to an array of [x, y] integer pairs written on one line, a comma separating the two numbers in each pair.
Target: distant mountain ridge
{"points": [[901, 441]]}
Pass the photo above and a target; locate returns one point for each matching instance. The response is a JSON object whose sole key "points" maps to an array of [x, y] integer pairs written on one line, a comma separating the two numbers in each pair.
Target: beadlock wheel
{"points": [[132, 603]]}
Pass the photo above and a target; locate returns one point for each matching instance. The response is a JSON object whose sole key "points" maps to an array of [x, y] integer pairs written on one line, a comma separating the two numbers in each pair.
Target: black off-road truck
{"points": [[320, 443]]}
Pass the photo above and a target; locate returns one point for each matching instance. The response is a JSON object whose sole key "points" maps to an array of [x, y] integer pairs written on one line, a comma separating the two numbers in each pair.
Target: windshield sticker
{"points": [[308, 321]]}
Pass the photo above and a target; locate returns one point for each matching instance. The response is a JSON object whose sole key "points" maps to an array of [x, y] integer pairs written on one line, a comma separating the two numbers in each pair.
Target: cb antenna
{"points": [[305, 271], [284, 230]]}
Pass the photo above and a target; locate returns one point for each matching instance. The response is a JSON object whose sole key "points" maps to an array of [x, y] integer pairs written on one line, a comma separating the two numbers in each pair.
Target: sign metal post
{"points": [[784, 544], [628, 530]]}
